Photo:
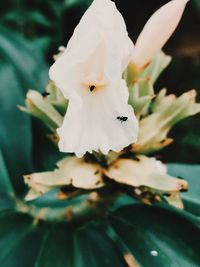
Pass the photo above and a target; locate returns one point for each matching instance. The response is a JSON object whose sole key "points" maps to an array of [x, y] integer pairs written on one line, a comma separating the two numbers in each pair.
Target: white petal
{"points": [[157, 31], [101, 23], [102, 20], [96, 55], [94, 126]]}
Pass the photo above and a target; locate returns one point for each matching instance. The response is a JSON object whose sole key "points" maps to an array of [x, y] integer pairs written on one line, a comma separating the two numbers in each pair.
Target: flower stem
{"points": [[93, 207]]}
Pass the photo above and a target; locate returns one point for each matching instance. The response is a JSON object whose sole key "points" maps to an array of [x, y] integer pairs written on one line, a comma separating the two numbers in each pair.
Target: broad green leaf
{"points": [[15, 128], [190, 173], [56, 249], [6, 190], [20, 240], [5, 185], [27, 243], [21, 67], [122, 201], [13, 227], [94, 248], [45, 152], [186, 145], [27, 61], [153, 236], [157, 236]]}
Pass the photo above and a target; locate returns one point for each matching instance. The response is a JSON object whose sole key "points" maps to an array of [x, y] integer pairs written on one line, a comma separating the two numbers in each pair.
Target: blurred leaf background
{"points": [[30, 33]]}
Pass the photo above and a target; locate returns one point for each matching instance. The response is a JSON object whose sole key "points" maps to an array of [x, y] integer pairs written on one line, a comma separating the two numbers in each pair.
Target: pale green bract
{"points": [[156, 114]]}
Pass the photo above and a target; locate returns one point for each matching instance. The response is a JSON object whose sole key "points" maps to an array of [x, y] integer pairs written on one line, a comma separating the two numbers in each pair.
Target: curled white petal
{"points": [[101, 24], [157, 31], [99, 124], [89, 73]]}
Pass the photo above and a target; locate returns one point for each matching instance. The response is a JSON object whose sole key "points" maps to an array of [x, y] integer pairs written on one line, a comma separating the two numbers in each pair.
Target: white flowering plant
{"points": [[111, 196]]}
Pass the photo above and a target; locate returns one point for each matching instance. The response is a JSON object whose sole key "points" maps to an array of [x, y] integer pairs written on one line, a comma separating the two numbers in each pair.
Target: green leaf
{"points": [[5, 185], [197, 4], [25, 243], [32, 16], [56, 249], [27, 61], [94, 248], [157, 236], [45, 152], [190, 173], [21, 67], [186, 148], [72, 3], [37, 17], [15, 128], [20, 240], [153, 236], [42, 43], [6, 190]]}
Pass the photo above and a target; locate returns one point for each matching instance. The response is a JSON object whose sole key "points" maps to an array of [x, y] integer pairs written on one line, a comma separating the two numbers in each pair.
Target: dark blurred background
{"points": [[35, 28]]}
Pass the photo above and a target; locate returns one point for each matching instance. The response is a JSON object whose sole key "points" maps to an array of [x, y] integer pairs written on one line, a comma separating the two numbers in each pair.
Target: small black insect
{"points": [[45, 94], [92, 87], [122, 118]]}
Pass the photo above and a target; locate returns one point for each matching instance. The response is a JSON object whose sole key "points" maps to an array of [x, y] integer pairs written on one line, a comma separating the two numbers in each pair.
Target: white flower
{"points": [[89, 74], [157, 31]]}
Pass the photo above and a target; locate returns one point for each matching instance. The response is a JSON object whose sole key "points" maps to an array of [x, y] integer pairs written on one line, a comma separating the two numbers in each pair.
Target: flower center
{"points": [[92, 88], [93, 84]]}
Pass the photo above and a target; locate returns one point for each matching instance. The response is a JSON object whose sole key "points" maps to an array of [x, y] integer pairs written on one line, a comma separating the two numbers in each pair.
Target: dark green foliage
{"points": [[56, 248], [192, 174], [186, 145], [155, 236], [21, 67], [158, 237], [47, 23]]}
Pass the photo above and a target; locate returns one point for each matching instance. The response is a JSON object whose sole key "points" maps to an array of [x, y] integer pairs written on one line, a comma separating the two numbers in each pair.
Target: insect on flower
{"points": [[122, 118], [89, 74], [92, 88], [45, 94]]}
